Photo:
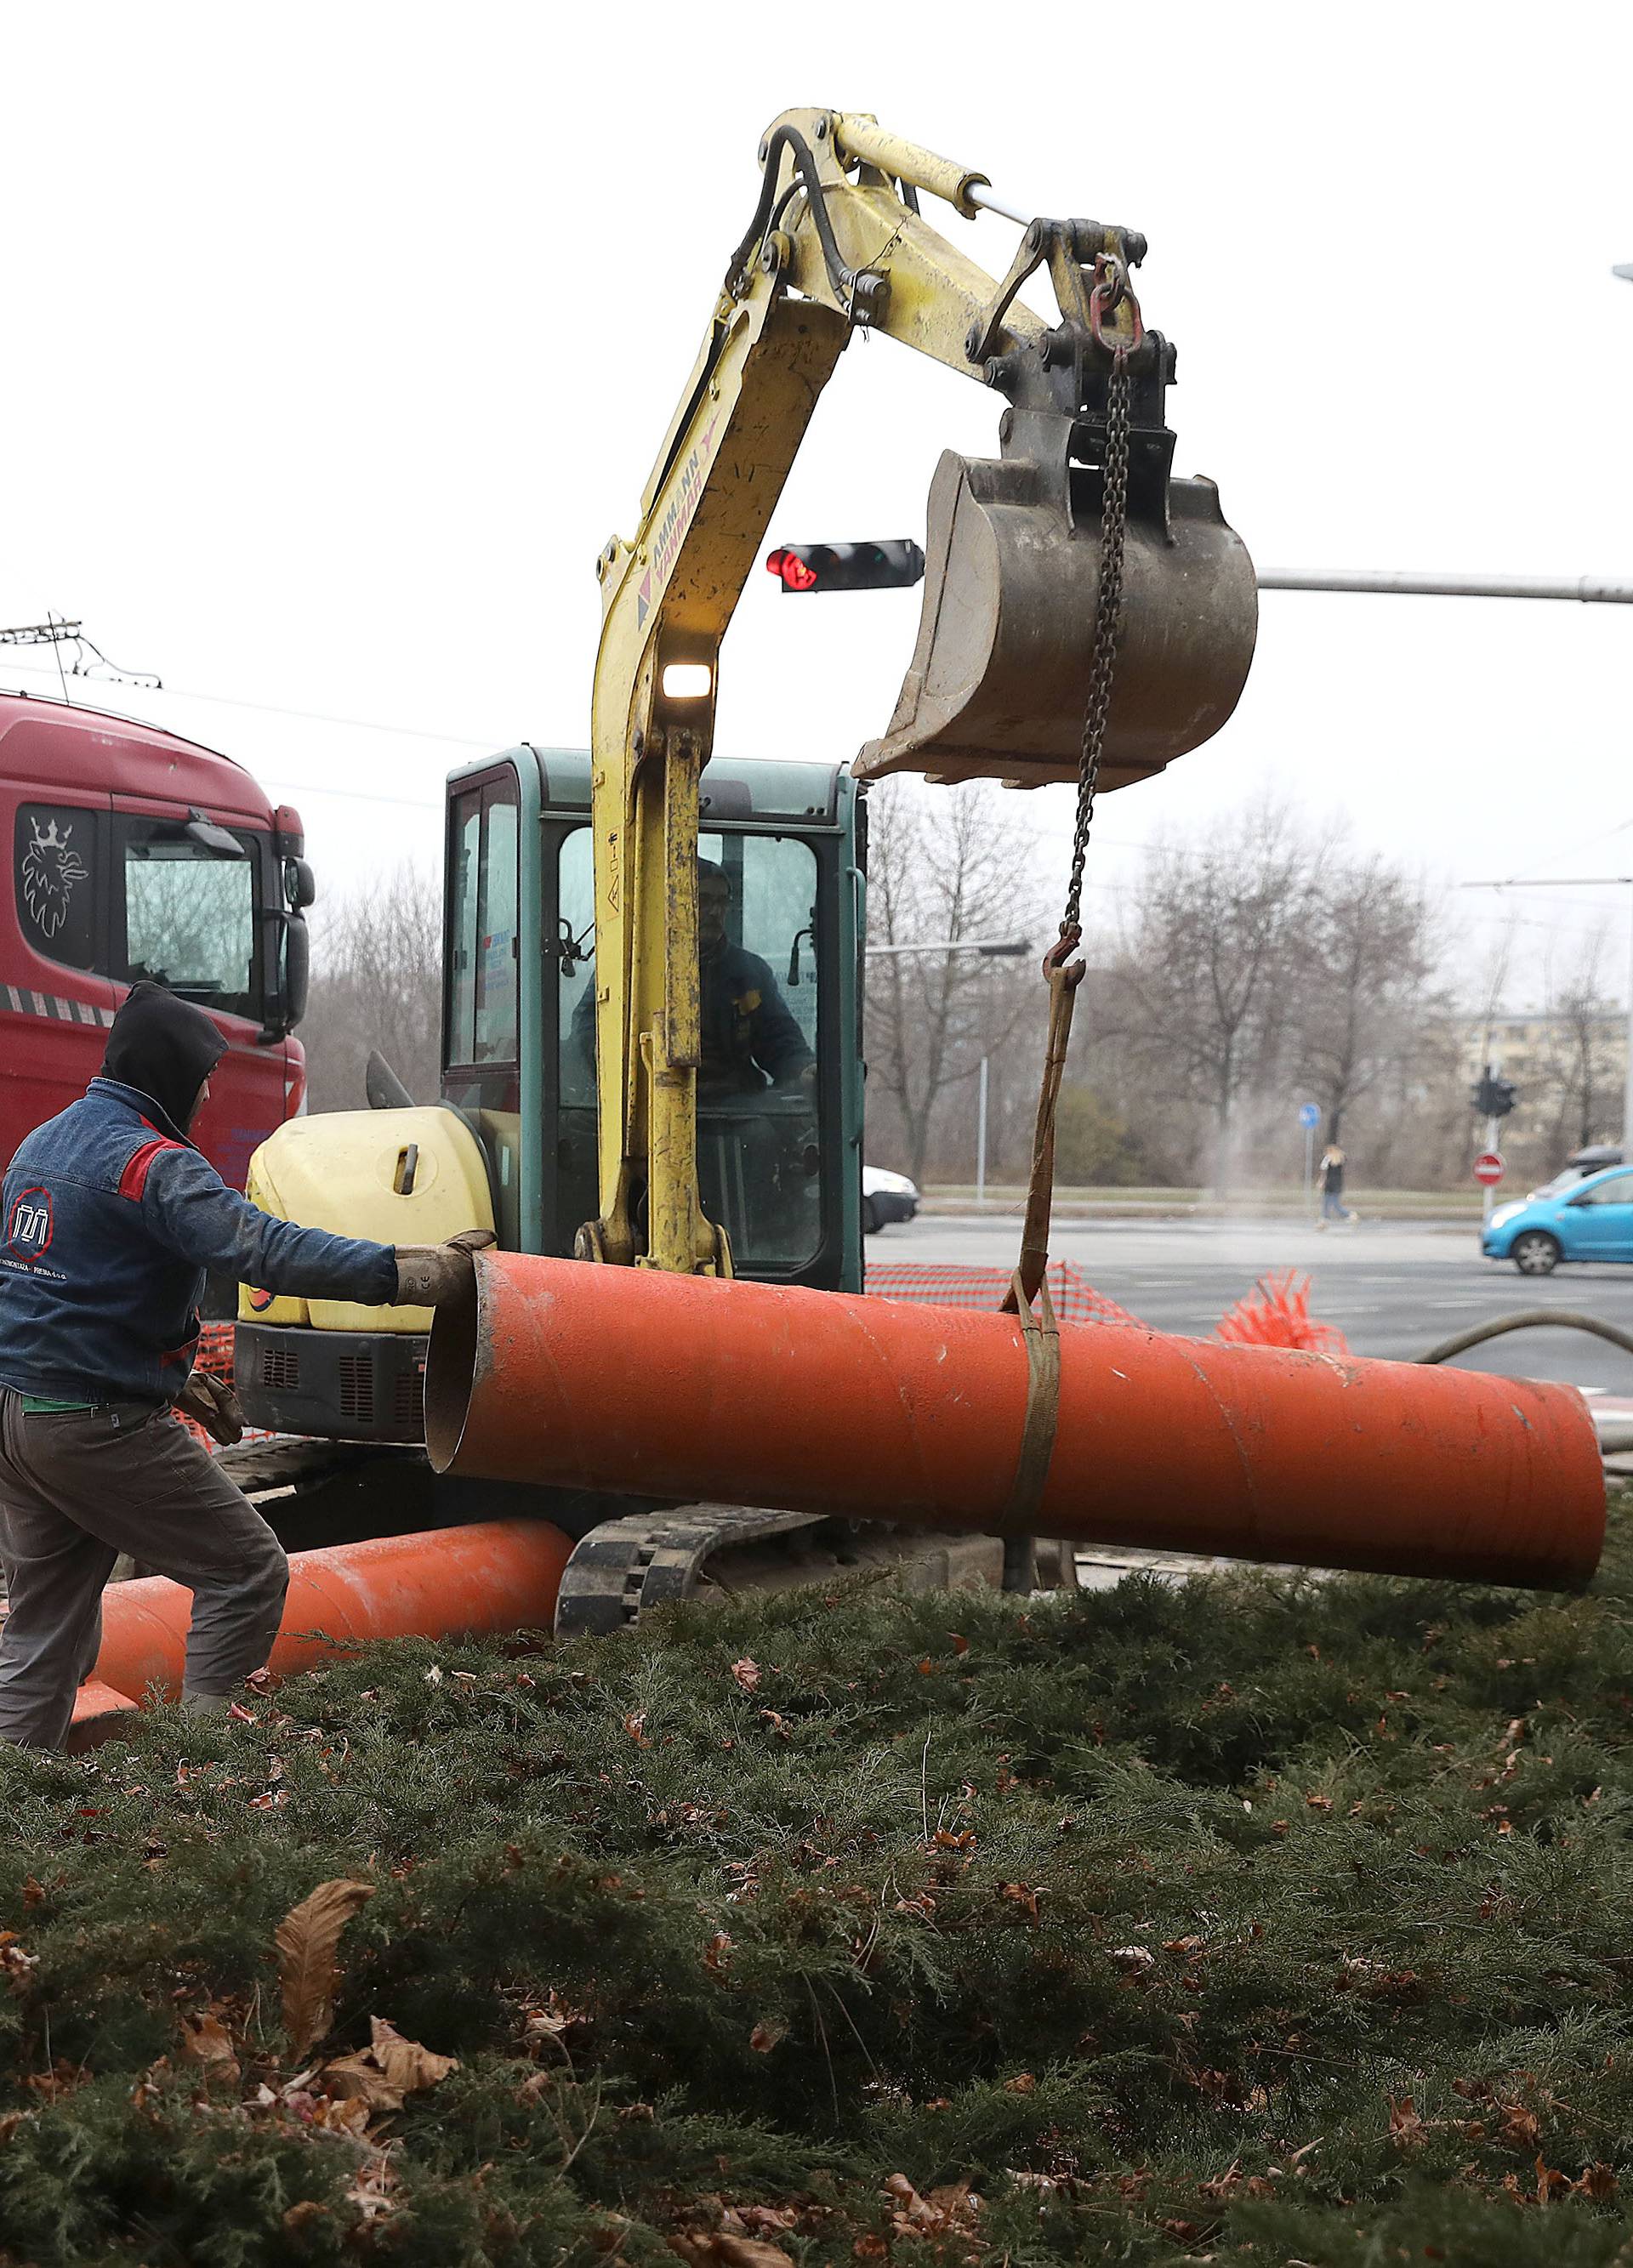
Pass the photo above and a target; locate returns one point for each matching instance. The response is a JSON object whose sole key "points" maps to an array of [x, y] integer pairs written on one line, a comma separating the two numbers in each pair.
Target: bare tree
{"points": [[1362, 962], [944, 865], [376, 982], [1579, 1025], [1199, 985]]}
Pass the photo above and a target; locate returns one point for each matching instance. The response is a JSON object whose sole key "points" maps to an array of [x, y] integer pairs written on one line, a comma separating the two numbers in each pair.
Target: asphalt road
{"points": [[1394, 1289]]}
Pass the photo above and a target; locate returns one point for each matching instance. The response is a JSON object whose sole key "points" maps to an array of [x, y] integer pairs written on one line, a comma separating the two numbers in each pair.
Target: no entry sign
{"points": [[1489, 1169]]}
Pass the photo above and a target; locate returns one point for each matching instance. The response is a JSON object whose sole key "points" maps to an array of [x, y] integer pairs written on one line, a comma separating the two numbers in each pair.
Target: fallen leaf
{"points": [[360, 2079], [961, 1644], [1406, 2128], [205, 2040], [767, 2034], [1022, 2083], [434, 1675], [405, 2063], [306, 1940], [747, 2252], [1522, 2129], [747, 1673], [702, 2248], [634, 1725], [386, 2071], [33, 1892]]}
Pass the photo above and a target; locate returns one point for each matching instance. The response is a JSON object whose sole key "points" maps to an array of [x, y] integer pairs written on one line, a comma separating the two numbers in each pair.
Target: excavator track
{"points": [[640, 1560], [635, 1561], [626, 1560]]}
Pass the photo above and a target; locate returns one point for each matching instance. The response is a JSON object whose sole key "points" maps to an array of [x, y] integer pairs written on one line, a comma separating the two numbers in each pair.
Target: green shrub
{"points": [[1259, 1919]]}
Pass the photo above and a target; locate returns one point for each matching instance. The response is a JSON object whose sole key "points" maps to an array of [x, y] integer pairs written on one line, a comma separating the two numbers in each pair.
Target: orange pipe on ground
{"points": [[687, 1388], [448, 1582]]}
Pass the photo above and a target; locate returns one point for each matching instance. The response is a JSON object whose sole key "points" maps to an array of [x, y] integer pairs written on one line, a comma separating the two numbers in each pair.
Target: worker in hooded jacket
{"points": [[109, 1220]]}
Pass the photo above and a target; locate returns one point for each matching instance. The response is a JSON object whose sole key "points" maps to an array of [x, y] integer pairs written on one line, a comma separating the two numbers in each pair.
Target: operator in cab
{"points": [[109, 1220], [748, 1033], [749, 1038]]}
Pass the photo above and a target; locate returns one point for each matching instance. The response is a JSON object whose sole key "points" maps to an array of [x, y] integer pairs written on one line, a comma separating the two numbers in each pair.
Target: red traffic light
{"points": [[887, 566], [795, 574]]}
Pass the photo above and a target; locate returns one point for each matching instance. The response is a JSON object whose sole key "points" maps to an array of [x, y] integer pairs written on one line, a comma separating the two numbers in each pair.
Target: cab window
{"points": [[190, 916], [759, 1098], [483, 1024]]}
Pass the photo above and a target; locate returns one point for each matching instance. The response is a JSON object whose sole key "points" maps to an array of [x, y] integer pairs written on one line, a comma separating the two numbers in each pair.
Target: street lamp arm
{"points": [[996, 948], [1405, 582]]}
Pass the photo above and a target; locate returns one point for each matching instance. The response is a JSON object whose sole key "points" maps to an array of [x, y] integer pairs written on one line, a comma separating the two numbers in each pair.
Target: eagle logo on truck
{"points": [[52, 870]]}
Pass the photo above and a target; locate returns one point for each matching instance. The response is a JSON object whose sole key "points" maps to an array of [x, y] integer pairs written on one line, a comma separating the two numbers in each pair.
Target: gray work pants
{"points": [[78, 1488]]}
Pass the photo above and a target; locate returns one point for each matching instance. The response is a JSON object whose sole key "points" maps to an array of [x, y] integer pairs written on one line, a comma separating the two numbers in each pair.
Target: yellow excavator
{"points": [[581, 1108]]}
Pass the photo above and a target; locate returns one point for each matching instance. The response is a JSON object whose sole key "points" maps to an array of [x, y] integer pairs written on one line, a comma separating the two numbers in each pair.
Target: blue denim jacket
{"points": [[109, 1219]]}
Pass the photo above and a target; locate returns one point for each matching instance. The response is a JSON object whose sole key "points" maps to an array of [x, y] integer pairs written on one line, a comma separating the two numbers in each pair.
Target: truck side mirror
{"points": [[299, 884], [297, 969]]}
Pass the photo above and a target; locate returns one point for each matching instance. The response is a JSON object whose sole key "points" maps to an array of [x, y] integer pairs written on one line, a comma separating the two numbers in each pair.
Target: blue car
{"points": [[1578, 1217]]}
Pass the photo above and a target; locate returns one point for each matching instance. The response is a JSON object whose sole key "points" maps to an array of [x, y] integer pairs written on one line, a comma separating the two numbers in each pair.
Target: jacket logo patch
{"points": [[30, 1227], [261, 1300]]}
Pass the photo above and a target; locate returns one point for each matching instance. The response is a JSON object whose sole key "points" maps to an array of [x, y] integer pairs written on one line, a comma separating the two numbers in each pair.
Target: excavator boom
{"points": [[999, 676]]}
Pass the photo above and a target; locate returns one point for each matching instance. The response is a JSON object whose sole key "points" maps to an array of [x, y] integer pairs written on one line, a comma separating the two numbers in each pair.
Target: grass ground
{"points": [[1258, 1921]]}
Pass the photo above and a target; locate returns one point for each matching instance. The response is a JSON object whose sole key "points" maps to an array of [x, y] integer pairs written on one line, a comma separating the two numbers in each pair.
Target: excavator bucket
{"points": [[999, 679]]}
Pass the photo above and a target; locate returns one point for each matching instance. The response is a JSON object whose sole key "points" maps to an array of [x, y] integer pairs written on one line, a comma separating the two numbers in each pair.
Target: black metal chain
{"points": [[1107, 621]]}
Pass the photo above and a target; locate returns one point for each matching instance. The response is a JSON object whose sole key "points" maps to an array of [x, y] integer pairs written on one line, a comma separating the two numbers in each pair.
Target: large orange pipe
{"points": [[685, 1387], [497, 1575]]}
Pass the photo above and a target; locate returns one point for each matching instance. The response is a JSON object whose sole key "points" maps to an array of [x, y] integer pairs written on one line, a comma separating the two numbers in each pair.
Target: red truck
{"points": [[134, 853]]}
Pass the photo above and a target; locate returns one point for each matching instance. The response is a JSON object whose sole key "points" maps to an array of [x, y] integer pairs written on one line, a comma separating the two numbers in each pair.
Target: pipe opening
{"points": [[450, 1374]]}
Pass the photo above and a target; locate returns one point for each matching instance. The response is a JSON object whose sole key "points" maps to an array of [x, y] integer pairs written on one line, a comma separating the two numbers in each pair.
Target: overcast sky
{"points": [[338, 339]]}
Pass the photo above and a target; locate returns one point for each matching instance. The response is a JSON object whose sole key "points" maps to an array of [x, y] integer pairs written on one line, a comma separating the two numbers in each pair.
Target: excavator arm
{"points": [[998, 679]]}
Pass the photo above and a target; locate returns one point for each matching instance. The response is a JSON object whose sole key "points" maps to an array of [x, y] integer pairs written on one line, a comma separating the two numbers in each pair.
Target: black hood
{"points": [[165, 1048]]}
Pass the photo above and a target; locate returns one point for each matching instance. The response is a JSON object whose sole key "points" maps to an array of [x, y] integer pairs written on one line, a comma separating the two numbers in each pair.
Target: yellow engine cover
{"points": [[346, 1171]]}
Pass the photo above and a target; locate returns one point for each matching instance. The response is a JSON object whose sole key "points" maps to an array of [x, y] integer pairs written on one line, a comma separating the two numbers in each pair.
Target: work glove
{"points": [[428, 1274], [210, 1403]]}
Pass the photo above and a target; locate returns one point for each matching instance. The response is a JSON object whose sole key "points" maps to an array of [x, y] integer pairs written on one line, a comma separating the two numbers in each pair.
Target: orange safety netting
{"points": [[945, 1283], [1276, 1313]]}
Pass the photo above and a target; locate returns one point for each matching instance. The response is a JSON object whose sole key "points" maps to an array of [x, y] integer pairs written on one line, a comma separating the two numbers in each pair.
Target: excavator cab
{"points": [[511, 1142]]}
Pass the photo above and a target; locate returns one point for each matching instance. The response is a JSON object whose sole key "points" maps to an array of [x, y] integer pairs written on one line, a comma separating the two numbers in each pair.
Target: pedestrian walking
{"points": [[109, 1219], [1332, 1179]]}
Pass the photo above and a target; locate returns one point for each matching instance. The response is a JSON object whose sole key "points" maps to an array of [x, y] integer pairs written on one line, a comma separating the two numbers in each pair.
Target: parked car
{"points": [[886, 1198], [1586, 1218]]}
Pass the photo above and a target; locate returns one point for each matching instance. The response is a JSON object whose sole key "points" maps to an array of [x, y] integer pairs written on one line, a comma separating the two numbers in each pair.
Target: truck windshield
{"points": [[759, 1134], [190, 919]]}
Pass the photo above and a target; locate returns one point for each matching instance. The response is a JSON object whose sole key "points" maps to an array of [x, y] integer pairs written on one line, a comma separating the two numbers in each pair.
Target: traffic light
{"points": [[1491, 1096], [893, 566]]}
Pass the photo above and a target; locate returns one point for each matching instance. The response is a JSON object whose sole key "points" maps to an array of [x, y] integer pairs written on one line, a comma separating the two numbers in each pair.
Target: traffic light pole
{"points": [[1488, 1194]]}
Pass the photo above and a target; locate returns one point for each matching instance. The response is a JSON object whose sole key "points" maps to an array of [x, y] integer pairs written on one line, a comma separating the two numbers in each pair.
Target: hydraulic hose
{"points": [[1564, 1319]]}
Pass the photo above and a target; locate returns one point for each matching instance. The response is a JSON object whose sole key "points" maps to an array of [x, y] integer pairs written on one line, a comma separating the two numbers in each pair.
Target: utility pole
{"points": [[980, 1140], [1589, 882]]}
